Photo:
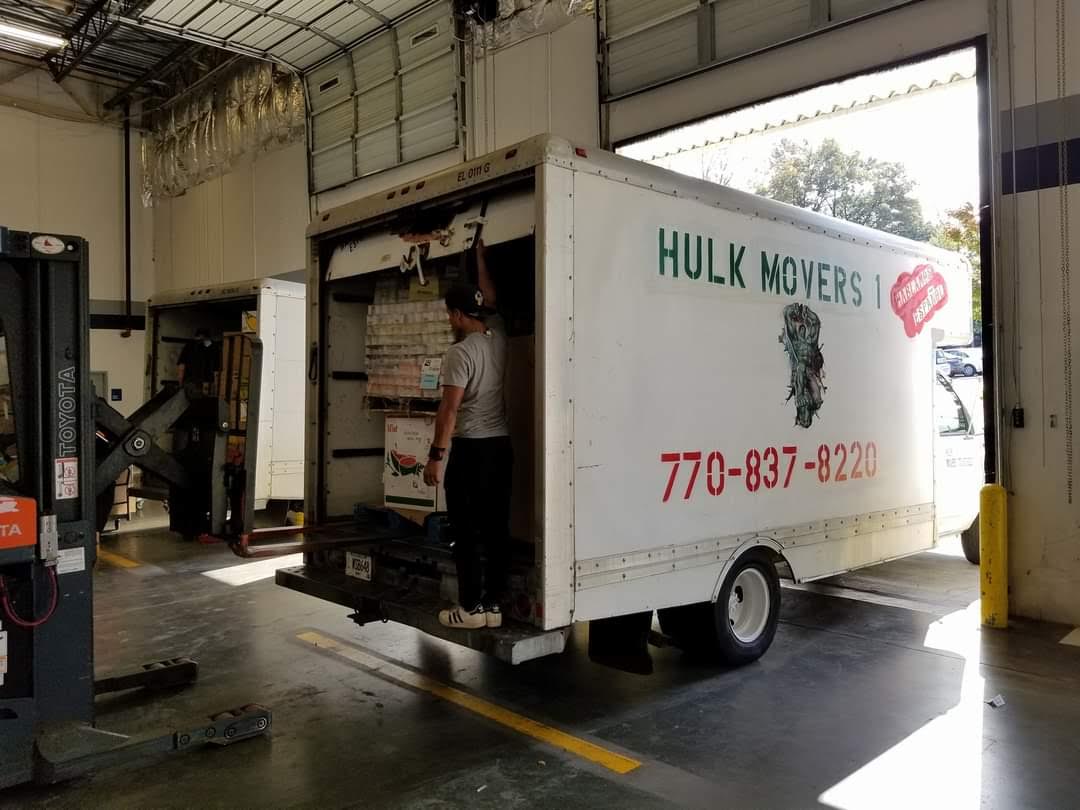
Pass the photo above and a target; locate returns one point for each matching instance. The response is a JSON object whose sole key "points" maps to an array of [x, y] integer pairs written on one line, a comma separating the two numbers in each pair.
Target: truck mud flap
{"points": [[514, 642]]}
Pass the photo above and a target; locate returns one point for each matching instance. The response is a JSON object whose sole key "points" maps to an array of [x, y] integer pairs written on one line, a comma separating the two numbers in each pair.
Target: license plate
{"points": [[358, 565]]}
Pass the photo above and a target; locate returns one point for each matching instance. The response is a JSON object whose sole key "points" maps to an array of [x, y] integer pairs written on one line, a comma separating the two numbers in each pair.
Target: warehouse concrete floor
{"points": [[857, 704]]}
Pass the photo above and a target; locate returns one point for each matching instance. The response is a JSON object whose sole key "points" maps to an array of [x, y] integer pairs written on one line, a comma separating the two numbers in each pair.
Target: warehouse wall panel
{"points": [[247, 223], [547, 83], [68, 176], [573, 83], [64, 172], [280, 205], [238, 225], [1038, 293], [123, 359], [520, 105]]}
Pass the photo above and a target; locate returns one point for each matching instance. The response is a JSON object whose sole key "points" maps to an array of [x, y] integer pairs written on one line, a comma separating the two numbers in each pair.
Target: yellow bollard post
{"points": [[993, 557]]}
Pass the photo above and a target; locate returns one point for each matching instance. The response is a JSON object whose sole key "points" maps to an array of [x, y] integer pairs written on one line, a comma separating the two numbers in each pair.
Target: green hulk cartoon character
{"points": [[802, 327]]}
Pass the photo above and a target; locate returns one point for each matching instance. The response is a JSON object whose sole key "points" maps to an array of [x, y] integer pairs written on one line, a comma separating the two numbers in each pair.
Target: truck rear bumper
{"points": [[514, 642]]}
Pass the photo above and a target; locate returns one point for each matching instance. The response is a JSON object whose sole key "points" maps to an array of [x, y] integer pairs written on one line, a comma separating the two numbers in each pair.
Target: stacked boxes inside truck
{"points": [[407, 336]]}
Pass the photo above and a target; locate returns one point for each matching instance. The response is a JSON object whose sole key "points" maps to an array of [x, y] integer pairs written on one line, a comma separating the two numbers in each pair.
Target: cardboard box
{"points": [[424, 292], [235, 380], [408, 439], [235, 448]]}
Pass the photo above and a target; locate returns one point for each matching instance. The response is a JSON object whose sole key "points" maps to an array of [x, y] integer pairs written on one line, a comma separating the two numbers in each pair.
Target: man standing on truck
{"points": [[198, 361], [472, 411]]}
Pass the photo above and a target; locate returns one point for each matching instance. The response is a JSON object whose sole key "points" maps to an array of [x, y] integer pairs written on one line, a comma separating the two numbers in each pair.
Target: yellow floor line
{"points": [[119, 560], [530, 728]]}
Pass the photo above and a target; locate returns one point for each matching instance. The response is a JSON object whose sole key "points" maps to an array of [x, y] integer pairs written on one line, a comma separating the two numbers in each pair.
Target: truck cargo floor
{"points": [[514, 642]]}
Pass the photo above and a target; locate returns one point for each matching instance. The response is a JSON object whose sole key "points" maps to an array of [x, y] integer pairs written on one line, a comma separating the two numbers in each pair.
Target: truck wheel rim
{"points": [[748, 605]]}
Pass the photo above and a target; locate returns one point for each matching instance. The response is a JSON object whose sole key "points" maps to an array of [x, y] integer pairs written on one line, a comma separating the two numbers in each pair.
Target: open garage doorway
{"points": [[898, 150]]}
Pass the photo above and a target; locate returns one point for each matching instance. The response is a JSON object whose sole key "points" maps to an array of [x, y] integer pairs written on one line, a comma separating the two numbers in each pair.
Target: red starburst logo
{"points": [[917, 296]]}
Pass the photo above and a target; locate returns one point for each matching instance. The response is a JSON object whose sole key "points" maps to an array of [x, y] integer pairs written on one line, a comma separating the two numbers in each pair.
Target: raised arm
{"points": [[483, 275]]}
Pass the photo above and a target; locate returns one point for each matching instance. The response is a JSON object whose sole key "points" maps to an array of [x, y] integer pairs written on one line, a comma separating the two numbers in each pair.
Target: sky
{"points": [[933, 132]]}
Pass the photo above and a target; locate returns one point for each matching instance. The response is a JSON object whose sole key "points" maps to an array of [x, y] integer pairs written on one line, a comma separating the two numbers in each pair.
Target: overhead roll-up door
{"points": [[390, 100], [646, 42]]}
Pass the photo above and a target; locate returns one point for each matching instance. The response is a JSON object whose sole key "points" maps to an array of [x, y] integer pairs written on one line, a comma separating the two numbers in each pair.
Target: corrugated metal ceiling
{"points": [[296, 33], [123, 54], [133, 43]]}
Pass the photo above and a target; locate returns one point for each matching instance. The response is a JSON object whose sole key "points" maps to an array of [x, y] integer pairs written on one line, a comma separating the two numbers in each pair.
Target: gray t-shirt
{"points": [[478, 364]]}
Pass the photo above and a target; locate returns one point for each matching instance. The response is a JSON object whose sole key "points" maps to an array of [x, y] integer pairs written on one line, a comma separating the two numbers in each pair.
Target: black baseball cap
{"points": [[468, 299]]}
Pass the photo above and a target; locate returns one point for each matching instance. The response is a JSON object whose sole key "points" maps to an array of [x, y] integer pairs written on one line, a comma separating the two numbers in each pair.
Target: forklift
{"points": [[60, 452]]}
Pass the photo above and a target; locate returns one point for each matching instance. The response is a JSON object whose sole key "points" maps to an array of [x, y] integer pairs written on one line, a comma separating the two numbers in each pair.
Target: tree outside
{"points": [[959, 231], [870, 192], [846, 185], [714, 168]]}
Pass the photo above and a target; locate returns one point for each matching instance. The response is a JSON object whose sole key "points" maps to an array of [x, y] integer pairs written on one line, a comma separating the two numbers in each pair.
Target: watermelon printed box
{"points": [[407, 443]]}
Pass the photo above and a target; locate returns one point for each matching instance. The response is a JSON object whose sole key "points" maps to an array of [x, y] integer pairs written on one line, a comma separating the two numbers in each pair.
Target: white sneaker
{"points": [[494, 616], [461, 619]]}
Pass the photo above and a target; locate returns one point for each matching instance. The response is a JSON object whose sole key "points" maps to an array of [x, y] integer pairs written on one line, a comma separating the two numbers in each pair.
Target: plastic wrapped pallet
{"points": [[405, 342]]}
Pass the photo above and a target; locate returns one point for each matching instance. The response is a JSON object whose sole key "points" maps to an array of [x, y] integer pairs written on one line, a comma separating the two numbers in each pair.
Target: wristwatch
{"points": [[436, 453]]}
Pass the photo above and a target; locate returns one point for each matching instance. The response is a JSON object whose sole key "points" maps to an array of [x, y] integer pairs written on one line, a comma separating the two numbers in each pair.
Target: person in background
{"points": [[473, 412], [199, 359]]}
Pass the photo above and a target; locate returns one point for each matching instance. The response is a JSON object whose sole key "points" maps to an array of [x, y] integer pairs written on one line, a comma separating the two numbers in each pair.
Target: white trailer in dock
{"points": [[273, 312], [705, 385]]}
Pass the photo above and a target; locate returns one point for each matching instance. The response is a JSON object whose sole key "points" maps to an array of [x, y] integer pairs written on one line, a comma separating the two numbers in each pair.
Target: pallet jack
{"points": [[49, 482]]}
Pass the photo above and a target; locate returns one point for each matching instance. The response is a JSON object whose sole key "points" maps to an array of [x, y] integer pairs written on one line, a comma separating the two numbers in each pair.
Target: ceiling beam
{"points": [[191, 87], [89, 31], [42, 18], [193, 35], [285, 18], [168, 63], [371, 12]]}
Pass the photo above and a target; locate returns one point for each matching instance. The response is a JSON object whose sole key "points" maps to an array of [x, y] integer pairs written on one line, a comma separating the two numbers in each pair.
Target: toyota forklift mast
{"points": [[47, 529], [45, 593]]}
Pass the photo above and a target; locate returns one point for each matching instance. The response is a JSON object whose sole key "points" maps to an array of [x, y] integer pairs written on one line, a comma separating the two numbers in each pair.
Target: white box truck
{"points": [[273, 312], [704, 386]]}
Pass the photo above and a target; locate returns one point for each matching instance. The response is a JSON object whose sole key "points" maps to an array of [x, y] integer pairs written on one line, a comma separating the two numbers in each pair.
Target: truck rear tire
{"points": [[739, 627], [969, 540]]}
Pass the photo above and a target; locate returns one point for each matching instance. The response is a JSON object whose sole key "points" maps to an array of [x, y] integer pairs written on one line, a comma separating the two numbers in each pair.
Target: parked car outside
{"points": [[943, 363], [965, 363]]}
